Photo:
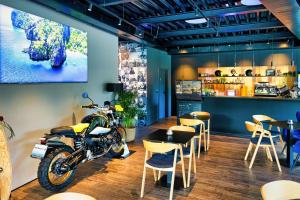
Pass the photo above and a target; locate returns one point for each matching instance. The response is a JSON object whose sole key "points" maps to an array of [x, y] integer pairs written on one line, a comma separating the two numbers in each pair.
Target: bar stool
{"points": [[280, 190], [187, 152], [207, 130], [195, 122]]}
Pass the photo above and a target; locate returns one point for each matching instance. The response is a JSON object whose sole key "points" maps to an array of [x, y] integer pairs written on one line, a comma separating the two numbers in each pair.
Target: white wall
{"points": [[33, 109]]}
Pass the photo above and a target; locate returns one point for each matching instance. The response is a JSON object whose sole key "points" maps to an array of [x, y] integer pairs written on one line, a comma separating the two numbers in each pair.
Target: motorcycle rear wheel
{"points": [[49, 179]]}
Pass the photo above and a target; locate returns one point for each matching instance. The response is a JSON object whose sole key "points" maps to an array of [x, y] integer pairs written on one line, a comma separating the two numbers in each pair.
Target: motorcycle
{"points": [[94, 137]]}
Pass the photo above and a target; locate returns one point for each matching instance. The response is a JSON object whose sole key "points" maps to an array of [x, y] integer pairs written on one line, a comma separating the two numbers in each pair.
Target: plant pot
{"points": [[130, 134]]}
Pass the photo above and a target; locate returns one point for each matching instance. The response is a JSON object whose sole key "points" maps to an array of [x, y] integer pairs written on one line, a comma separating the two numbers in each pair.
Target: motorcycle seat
{"points": [[63, 130], [100, 131], [78, 128]]}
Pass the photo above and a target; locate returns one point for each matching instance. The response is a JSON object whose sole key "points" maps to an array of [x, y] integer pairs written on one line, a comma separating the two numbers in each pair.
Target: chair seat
{"points": [[161, 160], [297, 147], [264, 141], [296, 134]]}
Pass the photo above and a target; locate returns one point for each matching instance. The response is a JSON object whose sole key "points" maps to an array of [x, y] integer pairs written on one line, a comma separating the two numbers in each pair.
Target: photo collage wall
{"points": [[133, 73]]}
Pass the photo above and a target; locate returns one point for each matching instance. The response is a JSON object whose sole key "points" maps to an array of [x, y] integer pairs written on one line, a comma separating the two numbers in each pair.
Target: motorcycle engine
{"points": [[99, 144]]}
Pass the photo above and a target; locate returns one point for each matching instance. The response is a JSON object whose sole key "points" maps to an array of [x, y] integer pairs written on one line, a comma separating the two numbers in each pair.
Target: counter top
{"points": [[254, 97]]}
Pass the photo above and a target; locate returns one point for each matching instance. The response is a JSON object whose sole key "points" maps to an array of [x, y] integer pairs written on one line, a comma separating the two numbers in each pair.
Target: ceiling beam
{"points": [[207, 13], [67, 10], [287, 11], [111, 2], [222, 29], [231, 39]]}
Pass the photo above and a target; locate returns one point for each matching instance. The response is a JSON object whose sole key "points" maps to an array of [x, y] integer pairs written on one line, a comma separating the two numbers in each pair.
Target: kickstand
{"points": [[126, 151]]}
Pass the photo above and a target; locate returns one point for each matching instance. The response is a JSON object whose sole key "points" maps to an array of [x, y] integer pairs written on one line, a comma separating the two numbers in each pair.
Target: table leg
{"points": [[289, 148]]}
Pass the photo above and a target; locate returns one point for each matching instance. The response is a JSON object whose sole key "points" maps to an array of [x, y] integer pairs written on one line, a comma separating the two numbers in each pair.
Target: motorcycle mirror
{"points": [[85, 95]]}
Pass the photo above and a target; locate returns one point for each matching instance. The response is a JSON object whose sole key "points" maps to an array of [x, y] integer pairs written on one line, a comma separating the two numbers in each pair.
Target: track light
{"points": [[120, 22], [139, 33], [90, 7]]}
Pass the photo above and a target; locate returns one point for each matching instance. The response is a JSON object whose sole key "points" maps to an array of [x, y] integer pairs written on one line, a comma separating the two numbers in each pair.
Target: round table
{"points": [[70, 196]]}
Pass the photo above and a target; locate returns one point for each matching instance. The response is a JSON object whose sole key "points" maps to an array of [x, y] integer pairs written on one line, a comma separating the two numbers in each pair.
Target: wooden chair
{"points": [[259, 119], [70, 196], [196, 122], [260, 138], [161, 161], [187, 152], [5, 167], [206, 129], [280, 190]]}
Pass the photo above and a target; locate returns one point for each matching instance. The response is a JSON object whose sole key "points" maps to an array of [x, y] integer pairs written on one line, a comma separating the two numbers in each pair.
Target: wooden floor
{"points": [[221, 174]]}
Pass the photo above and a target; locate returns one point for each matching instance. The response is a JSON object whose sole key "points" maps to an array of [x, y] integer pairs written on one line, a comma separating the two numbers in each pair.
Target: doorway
{"points": [[163, 94]]}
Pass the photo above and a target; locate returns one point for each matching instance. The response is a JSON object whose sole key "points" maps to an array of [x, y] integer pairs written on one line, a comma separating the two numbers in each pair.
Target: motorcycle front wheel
{"points": [[48, 176], [117, 148]]}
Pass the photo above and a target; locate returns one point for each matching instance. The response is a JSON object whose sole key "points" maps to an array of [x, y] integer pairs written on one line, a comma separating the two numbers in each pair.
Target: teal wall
{"points": [[157, 60], [32, 109], [228, 115]]}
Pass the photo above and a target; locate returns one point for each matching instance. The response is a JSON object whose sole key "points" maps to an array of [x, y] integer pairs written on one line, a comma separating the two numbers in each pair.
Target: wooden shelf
{"points": [[223, 83], [245, 76]]}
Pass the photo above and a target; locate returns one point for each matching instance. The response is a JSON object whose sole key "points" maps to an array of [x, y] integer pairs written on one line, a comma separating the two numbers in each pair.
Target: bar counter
{"points": [[228, 114]]}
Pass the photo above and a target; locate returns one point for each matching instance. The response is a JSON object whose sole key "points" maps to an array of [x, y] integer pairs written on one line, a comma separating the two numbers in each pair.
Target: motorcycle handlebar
{"points": [[91, 106]]}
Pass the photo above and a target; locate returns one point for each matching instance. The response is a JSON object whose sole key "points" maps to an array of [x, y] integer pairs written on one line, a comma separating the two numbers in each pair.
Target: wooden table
{"points": [[289, 138], [178, 137]]}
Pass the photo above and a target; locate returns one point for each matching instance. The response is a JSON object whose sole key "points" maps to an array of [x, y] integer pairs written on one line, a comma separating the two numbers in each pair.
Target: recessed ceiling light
{"points": [[196, 21], [250, 2]]}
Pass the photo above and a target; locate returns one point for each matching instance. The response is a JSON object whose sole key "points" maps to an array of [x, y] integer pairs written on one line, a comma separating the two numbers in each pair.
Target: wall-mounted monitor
{"points": [[37, 50], [189, 90]]}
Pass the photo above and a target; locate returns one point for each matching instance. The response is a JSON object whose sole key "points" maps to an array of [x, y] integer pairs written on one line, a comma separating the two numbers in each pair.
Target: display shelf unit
{"points": [[242, 84]]}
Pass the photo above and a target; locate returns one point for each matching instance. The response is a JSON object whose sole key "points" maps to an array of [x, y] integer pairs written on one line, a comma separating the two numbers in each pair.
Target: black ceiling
{"points": [[162, 22]]}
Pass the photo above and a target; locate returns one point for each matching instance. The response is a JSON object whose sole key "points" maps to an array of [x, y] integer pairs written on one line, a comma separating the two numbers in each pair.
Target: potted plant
{"points": [[129, 114]]}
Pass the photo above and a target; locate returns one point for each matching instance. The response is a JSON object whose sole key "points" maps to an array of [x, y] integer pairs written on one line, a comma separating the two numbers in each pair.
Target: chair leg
{"points": [[248, 150], [182, 167], [172, 184], [190, 167], [208, 134], [269, 153], [194, 157], [204, 139], [275, 154], [295, 161], [254, 155], [199, 147], [155, 176], [159, 174], [143, 182], [283, 149]]}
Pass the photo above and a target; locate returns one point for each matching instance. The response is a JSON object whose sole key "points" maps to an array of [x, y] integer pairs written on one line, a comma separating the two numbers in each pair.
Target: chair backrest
{"points": [[159, 147], [255, 128], [250, 126], [298, 116], [190, 122], [282, 189], [200, 113], [182, 128], [260, 118]]}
